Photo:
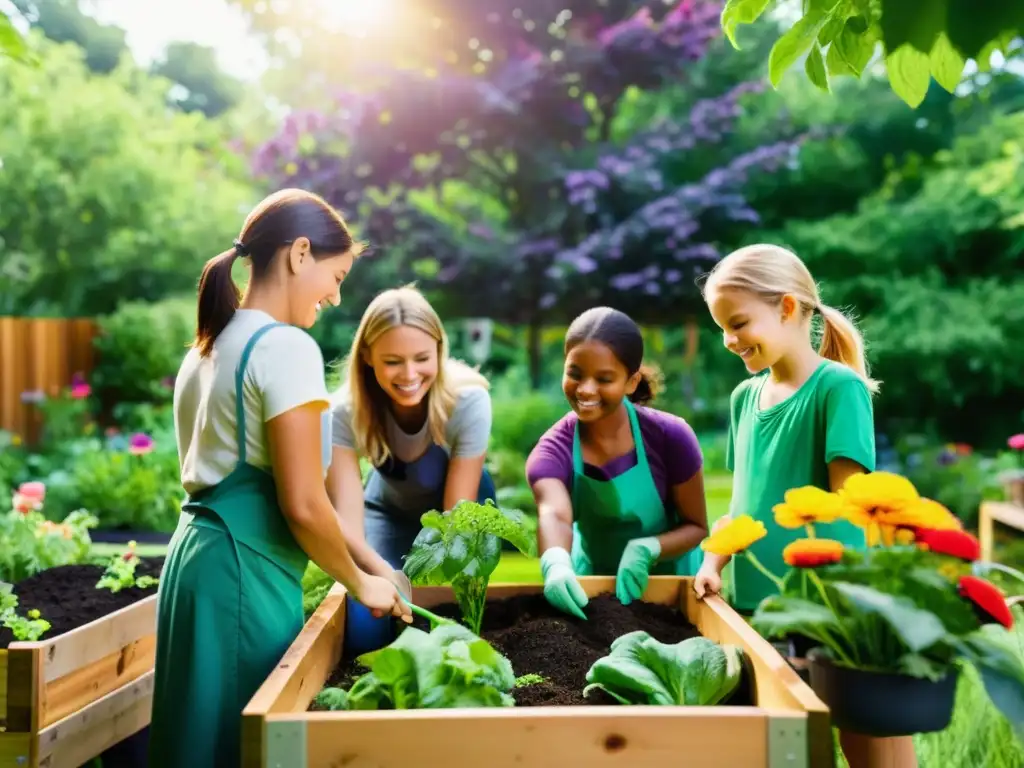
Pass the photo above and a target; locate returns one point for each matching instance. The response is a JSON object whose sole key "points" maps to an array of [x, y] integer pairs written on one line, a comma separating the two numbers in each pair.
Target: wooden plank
{"points": [[24, 681], [69, 694], [299, 675], [992, 512], [96, 640], [78, 738], [276, 724], [600, 737], [778, 687]]}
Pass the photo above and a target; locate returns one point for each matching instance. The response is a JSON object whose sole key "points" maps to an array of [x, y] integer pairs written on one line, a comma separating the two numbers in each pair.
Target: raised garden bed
{"points": [[773, 719], [87, 683]]}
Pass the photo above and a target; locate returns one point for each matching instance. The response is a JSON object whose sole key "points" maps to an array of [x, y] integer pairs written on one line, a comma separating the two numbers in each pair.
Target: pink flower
{"points": [[29, 497], [80, 388], [33, 490], [1016, 442], [141, 444]]}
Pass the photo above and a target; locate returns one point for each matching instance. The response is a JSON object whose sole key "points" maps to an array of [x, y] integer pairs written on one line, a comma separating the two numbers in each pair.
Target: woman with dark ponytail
{"points": [[252, 422], [619, 486]]}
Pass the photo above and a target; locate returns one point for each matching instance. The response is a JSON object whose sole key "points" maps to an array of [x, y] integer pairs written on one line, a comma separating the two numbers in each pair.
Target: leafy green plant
{"points": [[641, 670], [530, 678], [315, 586], [462, 548], [25, 628], [448, 667], [120, 572], [919, 40], [30, 543]]}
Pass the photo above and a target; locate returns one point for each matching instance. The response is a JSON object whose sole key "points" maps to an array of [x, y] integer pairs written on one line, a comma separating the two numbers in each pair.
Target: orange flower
{"points": [[811, 553]]}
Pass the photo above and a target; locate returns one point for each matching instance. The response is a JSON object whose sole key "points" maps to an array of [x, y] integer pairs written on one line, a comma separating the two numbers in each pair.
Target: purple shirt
{"points": [[673, 452]]}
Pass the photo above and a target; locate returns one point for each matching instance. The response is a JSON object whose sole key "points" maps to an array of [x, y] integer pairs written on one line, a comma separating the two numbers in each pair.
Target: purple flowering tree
{"points": [[493, 173]]}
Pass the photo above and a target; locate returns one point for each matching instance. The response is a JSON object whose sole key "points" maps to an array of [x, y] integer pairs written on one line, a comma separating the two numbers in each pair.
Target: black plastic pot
{"points": [[882, 704]]}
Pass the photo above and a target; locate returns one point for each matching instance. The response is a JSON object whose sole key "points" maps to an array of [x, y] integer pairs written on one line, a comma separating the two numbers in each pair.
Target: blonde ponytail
{"points": [[843, 343], [772, 272]]}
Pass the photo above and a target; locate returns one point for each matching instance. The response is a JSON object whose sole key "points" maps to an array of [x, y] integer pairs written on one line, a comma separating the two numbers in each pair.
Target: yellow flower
{"points": [[873, 499], [926, 513], [808, 505], [736, 536]]}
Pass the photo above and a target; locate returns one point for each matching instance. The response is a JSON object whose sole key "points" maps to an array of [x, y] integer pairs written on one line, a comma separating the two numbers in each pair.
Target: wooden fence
{"points": [[39, 355]]}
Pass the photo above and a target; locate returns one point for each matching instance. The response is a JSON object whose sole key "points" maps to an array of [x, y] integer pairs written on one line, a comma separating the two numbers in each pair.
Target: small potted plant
{"points": [[893, 624], [1013, 479]]}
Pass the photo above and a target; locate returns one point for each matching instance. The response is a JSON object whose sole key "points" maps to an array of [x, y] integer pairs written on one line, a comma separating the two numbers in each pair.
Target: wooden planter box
{"points": [[67, 699], [789, 726]]}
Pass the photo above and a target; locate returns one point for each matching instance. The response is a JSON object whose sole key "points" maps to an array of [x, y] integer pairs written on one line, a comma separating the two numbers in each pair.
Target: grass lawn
{"points": [[978, 737]]}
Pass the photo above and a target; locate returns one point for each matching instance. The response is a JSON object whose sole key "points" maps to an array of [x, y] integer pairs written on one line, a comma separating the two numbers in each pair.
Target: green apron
{"points": [[608, 513], [229, 605]]}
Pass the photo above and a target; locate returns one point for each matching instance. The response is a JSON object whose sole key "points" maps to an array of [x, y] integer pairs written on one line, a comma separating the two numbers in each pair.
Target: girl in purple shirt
{"points": [[619, 487]]}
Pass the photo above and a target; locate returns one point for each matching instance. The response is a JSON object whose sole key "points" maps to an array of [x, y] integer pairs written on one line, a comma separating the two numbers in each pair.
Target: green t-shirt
{"points": [[789, 445]]}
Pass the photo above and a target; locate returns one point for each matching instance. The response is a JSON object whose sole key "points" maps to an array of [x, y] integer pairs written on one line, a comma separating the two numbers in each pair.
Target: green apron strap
{"points": [[239, 383]]}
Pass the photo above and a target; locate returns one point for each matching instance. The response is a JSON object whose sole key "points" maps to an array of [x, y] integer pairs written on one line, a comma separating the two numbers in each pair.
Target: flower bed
{"points": [[781, 723], [86, 683]]}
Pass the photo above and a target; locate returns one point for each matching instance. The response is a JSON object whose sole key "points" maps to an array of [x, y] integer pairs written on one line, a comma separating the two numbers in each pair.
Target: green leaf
{"points": [[972, 26], [918, 23], [836, 65], [642, 670], [909, 74], [814, 66], [794, 44], [918, 629], [12, 44], [946, 63], [856, 44], [738, 12], [778, 616], [834, 25], [1001, 666]]}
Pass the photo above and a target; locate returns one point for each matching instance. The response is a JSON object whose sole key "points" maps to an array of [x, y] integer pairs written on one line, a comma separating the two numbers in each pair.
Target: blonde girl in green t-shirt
{"points": [[803, 417]]}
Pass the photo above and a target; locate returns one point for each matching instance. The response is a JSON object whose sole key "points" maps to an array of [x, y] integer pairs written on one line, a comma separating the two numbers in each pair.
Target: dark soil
{"points": [[67, 597], [539, 639]]}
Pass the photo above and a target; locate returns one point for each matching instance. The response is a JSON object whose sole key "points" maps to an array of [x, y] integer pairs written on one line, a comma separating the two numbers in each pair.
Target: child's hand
{"points": [[708, 581]]}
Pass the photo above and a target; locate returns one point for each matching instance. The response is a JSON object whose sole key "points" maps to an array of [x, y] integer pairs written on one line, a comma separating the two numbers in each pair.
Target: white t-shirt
{"points": [[285, 370]]}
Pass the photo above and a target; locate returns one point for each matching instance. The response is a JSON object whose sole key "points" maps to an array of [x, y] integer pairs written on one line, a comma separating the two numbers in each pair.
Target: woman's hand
{"points": [[401, 581], [381, 597]]}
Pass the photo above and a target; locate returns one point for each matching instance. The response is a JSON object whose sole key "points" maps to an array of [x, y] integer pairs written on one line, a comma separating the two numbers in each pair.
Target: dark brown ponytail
{"points": [[279, 220], [218, 300], [649, 387]]}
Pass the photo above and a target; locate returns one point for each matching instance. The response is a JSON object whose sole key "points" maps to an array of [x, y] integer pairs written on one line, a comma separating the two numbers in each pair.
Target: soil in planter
{"points": [[541, 640], [67, 597]]}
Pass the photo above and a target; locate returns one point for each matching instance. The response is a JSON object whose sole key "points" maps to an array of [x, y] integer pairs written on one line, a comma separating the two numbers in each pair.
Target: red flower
{"points": [[954, 543], [987, 599]]}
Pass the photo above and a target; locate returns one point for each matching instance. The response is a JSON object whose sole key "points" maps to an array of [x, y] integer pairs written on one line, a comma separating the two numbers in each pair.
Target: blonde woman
{"points": [[422, 420]]}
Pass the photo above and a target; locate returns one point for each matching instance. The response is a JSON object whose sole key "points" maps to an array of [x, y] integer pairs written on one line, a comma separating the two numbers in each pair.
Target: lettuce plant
{"points": [[640, 670], [462, 548], [445, 668], [120, 572], [29, 627]]}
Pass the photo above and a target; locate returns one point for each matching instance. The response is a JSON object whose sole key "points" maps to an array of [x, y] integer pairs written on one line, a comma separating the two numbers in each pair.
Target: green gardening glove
{"points": [[635, 568], [561, 588]]}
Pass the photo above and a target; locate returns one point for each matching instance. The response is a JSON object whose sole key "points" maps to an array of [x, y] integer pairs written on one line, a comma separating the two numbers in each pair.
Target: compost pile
{"points": [[539, 639], [67, 596]]}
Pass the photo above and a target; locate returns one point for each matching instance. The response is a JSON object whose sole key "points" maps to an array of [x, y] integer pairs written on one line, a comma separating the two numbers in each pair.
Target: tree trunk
{"points": [[534, 351]]}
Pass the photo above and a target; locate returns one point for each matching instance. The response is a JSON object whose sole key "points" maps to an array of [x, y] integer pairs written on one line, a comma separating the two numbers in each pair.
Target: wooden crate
{"points": [[66, 699], [788, 728]]}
